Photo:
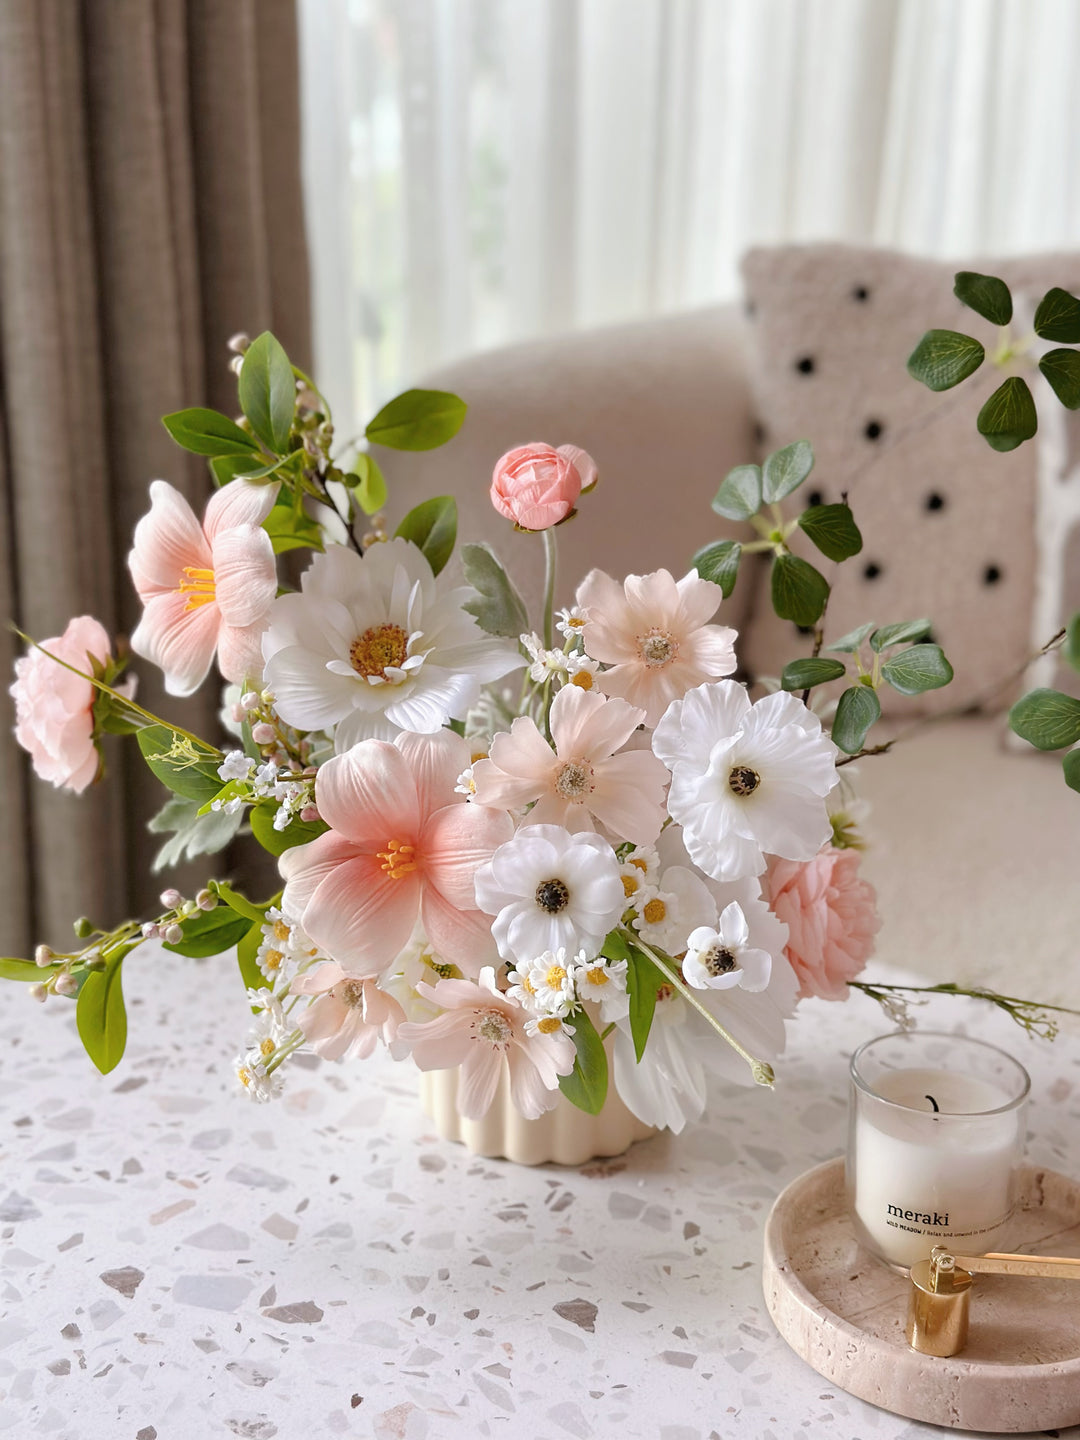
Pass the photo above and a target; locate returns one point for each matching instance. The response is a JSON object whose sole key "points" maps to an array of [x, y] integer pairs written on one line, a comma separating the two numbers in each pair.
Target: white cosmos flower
{"points": [[747, 780], [550, 890], [721, 958], [371, 645]]}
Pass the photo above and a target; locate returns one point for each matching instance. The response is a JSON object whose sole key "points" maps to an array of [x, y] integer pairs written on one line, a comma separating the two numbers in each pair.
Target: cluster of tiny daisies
{"points": [[553, 986]]}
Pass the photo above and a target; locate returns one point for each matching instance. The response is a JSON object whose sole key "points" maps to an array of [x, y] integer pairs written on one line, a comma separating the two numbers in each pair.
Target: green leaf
{"points": [[240, 904], [100, 1014], [986, 295], [192, 834], [799, 592], [210, 932], [497, 607], [368, 484], [856, 711], [246, 952], [297, 832], [432, 527], [1071, 765], [12, 969], [268, 392], [1008, 418], [1058, 317], [643, 980], [921, 668], [1046, 719], [1062, 370], [587, 1084], [833, 530], [785, 470], [805, 674], [719, 562], [899, 634], [247, 470], [849, 643], [1071, 648], [194, 779], [943, 358], [739, 495], [418, 420], [289, 530], [207, 432], [229, 467]]}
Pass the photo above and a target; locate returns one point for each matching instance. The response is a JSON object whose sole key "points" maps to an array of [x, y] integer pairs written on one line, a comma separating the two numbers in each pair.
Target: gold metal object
{"points": [[940, 1302]]}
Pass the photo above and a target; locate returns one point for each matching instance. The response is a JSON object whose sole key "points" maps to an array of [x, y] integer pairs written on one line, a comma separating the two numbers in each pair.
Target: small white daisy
{"points": [[548, 1025], [545, 985], [604, 982], [582, 671], [570, 622], [466, 785], [546, 664], [254, 1081], [638, 870]]}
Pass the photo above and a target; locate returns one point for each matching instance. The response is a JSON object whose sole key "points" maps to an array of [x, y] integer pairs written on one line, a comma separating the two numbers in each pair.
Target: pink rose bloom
{"points": [[832, 918], [205, 587], [349, 1016], [536, 486], [54, 717], [480, 1030]]}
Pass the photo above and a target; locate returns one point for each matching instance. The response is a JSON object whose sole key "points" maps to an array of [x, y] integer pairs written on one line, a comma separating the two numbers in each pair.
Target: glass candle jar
{"points": [[935, 1142]]}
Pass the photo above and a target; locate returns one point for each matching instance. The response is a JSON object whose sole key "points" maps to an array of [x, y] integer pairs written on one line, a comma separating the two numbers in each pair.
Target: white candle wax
{"points": [[921, 1178]]}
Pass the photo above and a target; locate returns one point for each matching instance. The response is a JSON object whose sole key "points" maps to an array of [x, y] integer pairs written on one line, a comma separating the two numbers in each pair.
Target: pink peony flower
{"points": [[832, 918], [482, 1027], [584, 780], [204, 587], [537, 486], [653, 634], [349, 1016], [402, 845], [54, 717]]}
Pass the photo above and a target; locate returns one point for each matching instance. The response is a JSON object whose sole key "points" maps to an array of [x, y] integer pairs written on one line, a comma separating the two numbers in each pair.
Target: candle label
{"points": [[917, 1222]]}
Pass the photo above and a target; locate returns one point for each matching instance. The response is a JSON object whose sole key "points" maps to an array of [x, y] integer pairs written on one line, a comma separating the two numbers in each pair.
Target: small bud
{"points": [[263, 734], [189, 907], [310, 812], [66, 984], [94, 962], [237, 714], [170, 899], [205, 901], [83, 927], [38, 992], [150, 931], [236, 364], [43, 956], [173, 934], [249, 700], [239, 343], [267, 697]]}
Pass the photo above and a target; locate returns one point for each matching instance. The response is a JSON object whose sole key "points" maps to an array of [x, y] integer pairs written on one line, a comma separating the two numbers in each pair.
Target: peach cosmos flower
{"points": [[831, 915], [54, 709], [537, 486], [479, 1030], [652, 633], [348, 1016], [205, 587], [583, 780], [402, 845]]}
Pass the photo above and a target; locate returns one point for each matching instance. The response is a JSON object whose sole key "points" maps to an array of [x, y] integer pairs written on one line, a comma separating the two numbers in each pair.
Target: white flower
{"points": [[548, 1025], [722, 958], [466, 785], [550, 890], [417, 962], [284, 944], [638, 869], [570, 622], [666, 912], [236, 766], [256, 1083], [267, 1028], [229, 807], [582, 671], [667, 1087], [747, 780], [545, 984], [546, 664], [603, 982], [371, 645]]}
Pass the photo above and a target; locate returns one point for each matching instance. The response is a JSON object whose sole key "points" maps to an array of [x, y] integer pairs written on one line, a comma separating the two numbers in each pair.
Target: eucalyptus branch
{"points": [[1030, 1015]]}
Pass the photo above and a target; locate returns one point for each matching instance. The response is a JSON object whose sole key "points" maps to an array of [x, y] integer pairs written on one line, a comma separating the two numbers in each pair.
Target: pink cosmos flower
{"points": [[653, 634], [54, 718], [482, 1027], [205, 587], [349, 1016], [402, 845], [583, 780], [537, 486], [832, 918]]}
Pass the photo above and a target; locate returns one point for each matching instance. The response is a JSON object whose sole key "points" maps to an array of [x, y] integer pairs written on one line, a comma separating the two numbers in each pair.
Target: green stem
{"points": [[949, 987], [551, 565]]}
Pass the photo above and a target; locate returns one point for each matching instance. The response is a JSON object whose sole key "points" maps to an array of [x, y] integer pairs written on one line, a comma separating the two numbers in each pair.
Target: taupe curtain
{"points": [[150, 206]]}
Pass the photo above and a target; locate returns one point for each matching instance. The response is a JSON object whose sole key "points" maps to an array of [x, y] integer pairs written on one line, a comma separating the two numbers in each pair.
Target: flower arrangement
{"points": [[577, 855]]}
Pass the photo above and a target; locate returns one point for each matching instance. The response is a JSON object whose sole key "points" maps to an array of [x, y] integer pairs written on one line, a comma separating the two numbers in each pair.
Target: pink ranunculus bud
{"points": [[54, 717], [537, 486]]}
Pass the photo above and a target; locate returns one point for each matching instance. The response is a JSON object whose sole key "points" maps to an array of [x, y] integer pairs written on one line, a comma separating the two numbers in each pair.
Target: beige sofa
{"points": [[973, 844]]}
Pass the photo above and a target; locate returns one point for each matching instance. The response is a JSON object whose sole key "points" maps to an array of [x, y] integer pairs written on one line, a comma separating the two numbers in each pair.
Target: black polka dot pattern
{"points": [[873, 429], [871, 571], [805, 366], [992, 575], [815, 498], [860, 293], [934, 501]]}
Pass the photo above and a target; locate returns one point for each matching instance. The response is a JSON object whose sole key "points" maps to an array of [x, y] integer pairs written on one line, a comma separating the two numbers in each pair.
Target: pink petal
{"points": [[460, 937], [478, 1080], [305, 867], [319, 978], [455, 842], [652, 600], [711, 651], [582, 462], [240, 654], [585, 725], [699, 601], [360, 916], [530, 1095], [166, 540], [178, 640], [245, 575], [436, 761], [438, 1044], [368, 794], [241, 502], [629, 795]]}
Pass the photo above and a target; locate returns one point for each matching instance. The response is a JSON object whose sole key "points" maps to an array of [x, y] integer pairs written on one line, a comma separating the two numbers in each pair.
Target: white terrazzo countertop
{"points": [[178, 1264]]}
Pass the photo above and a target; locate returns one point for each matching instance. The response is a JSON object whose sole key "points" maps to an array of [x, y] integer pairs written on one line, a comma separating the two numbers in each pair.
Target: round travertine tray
{"points": [[843, 1311]]}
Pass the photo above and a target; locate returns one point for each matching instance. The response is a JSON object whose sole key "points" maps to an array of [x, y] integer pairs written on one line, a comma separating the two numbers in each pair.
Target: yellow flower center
{"points": [[378, 647], [549, 1025], [555, 977], [655, 911], [527, 985], [630, 884], [399, 859], [282, 931], [583, 679], [267, 1048], [272, 960], [657, 648], [198, 587], [597, 975], [245, 1076], [639, 864]]}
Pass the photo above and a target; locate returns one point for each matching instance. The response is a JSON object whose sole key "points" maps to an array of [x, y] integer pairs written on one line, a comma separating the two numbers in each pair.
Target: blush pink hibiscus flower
{"points": [[54, 708], [349, 1016], [583, 780], [205, 587], [653, 634], [831, 915], [480, 1030], [402, 845]]}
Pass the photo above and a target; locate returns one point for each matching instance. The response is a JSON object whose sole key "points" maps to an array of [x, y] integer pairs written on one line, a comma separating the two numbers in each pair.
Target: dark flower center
{"points": [[743, 780], [552, 896], [720, 961]]}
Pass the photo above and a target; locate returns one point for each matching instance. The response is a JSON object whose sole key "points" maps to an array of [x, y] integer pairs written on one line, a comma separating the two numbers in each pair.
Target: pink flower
{"points": [[54, 717], [402, 844], [832, 918], [204, 587], [583, 780], [537, 486], [482, 1027], [653, 634], [349, 1016]]}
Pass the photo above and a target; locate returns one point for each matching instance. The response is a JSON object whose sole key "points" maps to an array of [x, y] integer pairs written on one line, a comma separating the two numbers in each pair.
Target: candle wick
{"points": [[933, 1102]]}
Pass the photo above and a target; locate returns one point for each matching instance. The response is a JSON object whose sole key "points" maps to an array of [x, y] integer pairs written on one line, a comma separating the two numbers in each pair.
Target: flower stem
{"points": [[761, 1071], [551, 565], [1029, 1014]]}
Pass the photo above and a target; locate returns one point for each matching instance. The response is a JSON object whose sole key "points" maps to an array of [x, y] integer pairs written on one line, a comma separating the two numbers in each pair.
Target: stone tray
{"points": [[843, 1311]]}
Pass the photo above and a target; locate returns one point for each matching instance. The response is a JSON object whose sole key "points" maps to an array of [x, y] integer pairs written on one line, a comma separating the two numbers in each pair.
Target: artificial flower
{"points": [[638, 869], [584, 781], [402, 846], [205, 587], [570, 622], [603, 982], [257, 1083], [373, 646], [544, 985], [348, 1016], [582, 672], [284, 945], [537, 486], [666, 1088], [545, 664], [831, 915], [653, 635], [483, 1032], [722, 957], [746, 779], [666, 911], [54, 708], [550, 890]]}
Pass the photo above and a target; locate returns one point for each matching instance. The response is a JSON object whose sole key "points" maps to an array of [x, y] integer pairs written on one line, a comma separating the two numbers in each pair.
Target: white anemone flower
{"points": [[721, 958], [747, 780], [666, 1088], [550, 890], [372, 646]]}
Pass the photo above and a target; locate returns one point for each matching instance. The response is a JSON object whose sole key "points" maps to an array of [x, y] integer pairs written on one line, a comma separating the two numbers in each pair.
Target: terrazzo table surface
{"points": [[178, 1264]]}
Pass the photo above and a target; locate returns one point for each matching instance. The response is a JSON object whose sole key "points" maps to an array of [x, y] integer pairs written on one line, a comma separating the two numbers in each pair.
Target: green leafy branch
{"points": [[1050, 719]]}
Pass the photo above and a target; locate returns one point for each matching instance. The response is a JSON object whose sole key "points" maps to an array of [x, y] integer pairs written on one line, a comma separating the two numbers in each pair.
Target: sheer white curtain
{"points": [[480, 171]]}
